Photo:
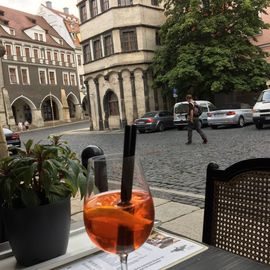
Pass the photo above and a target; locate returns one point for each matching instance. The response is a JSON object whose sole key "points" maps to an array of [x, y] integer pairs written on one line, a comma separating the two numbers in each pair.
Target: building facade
{"points": [[67, 26], [39, 71], [119, 38]]}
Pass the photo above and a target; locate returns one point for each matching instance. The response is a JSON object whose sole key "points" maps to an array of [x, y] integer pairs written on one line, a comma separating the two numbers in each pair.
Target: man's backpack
{"points": [[197, 110]]}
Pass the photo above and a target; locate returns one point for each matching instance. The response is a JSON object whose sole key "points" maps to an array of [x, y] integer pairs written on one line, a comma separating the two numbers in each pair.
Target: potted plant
{"points": [[36, 186]]}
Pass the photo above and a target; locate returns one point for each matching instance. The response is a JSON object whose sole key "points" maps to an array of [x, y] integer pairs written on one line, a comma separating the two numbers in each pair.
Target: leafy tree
{"points": [[206, 47]]}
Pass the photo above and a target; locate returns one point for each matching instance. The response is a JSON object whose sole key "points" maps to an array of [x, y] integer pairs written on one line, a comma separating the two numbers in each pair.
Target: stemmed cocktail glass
{"points": [[114, 223]]}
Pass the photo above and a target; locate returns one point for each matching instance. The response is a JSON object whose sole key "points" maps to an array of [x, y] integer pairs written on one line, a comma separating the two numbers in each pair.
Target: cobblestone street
{"points": [[174, 170]]}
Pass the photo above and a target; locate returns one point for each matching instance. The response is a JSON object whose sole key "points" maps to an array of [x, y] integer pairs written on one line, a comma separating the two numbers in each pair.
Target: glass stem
{"points": [[123, 261]]}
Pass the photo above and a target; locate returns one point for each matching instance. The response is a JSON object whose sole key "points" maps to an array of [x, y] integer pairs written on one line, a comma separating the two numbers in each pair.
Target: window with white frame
{"points": [[93, 8], [52, 76], [65, 78], [25, 75], [104, 4], [68, 58], [62, 58], [27, 52], [13, 75], [97, 49], [40, 37], [86, 53], [36, 36], [8, 49], [79, 60], [83, 13], [73, 79], [18, 51], [108, 44], [56, 56], [42, 53], [49, 57], [128, 40], [42, 76], [36, 53]]}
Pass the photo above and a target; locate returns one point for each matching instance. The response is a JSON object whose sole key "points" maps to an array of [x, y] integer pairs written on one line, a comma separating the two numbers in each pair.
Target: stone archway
{"points": [[73, 106], [111, 110], [22, 109], [49, 109]]}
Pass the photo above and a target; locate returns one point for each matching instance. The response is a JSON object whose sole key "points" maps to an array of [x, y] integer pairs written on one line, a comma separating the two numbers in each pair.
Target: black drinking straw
{"points": [[128, 163]]}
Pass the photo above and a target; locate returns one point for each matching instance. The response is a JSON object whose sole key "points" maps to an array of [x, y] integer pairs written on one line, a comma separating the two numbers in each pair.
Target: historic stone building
{"points": [[39, 71], [119, 38]]}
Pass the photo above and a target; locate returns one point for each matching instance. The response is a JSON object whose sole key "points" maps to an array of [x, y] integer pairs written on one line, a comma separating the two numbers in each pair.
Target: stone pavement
{"points": [[179, 218]]}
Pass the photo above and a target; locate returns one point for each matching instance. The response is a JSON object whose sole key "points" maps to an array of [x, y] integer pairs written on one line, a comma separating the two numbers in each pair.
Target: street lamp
{"points": [[3, 142]]}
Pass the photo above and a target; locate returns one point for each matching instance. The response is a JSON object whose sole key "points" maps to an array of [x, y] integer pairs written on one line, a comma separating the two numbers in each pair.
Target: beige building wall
{"points": [[146, 20]]}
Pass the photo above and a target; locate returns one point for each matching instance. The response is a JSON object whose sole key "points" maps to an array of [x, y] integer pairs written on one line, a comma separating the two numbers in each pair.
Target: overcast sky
{"points": [[31, 6]]}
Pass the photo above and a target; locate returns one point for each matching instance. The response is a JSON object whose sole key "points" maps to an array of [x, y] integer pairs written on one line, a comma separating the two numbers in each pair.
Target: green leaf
{"points": [[206, 47], [41, 173]]}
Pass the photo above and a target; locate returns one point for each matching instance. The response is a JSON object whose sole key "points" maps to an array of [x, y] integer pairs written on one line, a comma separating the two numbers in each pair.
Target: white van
{"points": [[181, 112], [261, 110]]}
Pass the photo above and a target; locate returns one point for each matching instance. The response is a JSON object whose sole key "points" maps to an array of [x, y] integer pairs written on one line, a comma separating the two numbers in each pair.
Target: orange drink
{"points": [[116, 228]]}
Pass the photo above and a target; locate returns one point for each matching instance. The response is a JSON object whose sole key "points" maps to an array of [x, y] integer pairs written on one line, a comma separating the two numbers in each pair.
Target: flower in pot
{"points": [[36, 186]]}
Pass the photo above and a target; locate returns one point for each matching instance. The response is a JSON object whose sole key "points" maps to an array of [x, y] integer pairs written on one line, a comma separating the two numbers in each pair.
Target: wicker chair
{"points": [[237, 208]]}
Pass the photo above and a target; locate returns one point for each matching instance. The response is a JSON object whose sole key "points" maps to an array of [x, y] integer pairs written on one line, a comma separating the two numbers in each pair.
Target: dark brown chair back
{"points": [[237, 208]]}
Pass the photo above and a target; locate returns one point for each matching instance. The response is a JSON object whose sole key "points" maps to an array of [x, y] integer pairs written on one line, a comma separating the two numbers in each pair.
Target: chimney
{"points": [[49, 4], [66, 11]]}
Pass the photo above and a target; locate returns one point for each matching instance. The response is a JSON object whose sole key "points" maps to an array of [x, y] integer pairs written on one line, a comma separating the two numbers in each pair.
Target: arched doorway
{"points": [[22, 109], [111, 109], [72, 102], [49, 109]]}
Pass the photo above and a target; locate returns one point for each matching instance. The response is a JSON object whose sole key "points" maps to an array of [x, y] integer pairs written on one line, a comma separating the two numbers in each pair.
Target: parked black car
{"points": [[13, 140], [155, 121]]}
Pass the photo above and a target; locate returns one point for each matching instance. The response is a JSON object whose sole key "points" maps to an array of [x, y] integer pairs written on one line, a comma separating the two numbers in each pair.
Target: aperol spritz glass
{"points": [[112, 225]]}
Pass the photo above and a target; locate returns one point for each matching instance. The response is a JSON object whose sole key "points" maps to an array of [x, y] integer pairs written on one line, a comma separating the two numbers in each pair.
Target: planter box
{"points": [[39, 233]]}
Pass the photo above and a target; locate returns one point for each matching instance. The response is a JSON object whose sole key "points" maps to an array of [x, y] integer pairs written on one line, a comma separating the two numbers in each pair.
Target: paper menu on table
{"points": [[162, 250]]}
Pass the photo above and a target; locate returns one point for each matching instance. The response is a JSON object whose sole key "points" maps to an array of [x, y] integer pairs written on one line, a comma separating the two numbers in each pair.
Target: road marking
{"points": [[182, 193]]}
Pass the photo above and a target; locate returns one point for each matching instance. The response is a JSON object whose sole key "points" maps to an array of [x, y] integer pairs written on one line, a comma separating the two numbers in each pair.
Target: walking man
{"points": [[193, 120]]}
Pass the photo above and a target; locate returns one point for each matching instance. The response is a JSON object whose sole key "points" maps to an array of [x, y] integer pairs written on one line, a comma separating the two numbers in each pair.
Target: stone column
{"points": [[8, 111], [100, 118], [78, 111], [89, 106], [134, 99], [37, 118], [66, 115], [146, 91], [122, 99]]}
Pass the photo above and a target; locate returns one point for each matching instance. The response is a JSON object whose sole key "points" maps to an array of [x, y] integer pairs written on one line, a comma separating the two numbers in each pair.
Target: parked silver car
{"points": [[234, 114], [155, 121]]}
